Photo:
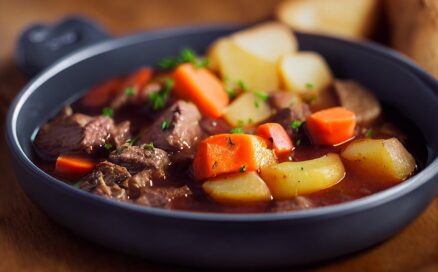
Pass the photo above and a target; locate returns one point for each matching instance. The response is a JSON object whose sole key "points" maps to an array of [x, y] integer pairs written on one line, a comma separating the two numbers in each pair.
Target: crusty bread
{"points": [[414, 30]]}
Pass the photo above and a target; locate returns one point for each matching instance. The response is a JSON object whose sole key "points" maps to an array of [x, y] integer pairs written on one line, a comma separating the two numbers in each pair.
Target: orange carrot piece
{"points": [[99, 95], [137, 80], [231, 153], [275, 133], [73, 165], [202, 87], [331, 126]]}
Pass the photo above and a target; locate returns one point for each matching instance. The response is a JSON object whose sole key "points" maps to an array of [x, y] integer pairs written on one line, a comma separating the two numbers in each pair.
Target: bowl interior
{"points": [[392, 80]]}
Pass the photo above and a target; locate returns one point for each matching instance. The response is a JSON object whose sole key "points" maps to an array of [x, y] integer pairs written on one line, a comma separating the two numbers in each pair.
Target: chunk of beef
{"points": [[212, 126], [139, 181], [162, 197], [177, 129], [286, 116], [107, 179], [297, 203], [137, 98], [359, 100], [73, 133], [121, 133], [138, 158], [283, 99]]}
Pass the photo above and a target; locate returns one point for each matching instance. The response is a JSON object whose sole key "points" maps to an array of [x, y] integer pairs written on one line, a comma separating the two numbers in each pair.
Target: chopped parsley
{"points": [[242, 85], [370, 133], [214, 166], [186, 55], [296, 124], [256, 104], [231, 92], [310, 85], [242, 169], [129, 91], [132, 141], [237, 130], [148, 146], [250, 121], [262, 95], [164, 125], [78, 184], [108, 112], [240, 123], [159, 98], [108, 146]]}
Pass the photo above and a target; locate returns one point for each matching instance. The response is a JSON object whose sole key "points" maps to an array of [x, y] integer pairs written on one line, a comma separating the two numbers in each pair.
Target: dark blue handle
{"points": [[41, 45]]}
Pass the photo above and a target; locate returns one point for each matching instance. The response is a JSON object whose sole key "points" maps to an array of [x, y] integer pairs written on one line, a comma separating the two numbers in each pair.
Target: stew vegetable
{"points": [[256, 126]]}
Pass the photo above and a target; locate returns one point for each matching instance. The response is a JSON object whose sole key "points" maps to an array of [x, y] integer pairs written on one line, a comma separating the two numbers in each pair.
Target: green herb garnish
{"points": [[164, 125], [310, 85], [237, 130], [296, 124], [312, 99], [256, 104], [242, 169], [129, 91], [108, 146], [132, 141], [262, 95], [108, 112], [159, 98], [201, 63], [148, 146], [242, 85], [231, 92], [186, 55], [370, 133]]}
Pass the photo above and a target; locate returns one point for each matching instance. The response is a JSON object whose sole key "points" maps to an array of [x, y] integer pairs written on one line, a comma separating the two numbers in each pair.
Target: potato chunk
{"points": [[386, 161], [305, 73], [237, 188], [252, 55], [247, 109], [290, 179]]}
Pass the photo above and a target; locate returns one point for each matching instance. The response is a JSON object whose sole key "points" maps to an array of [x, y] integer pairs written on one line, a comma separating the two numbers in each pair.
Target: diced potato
{"points": [[269, 41], [385, 161], [251, 55], [290, 179], [349, 18], [305, 73], [247, 109], [237, 188]]}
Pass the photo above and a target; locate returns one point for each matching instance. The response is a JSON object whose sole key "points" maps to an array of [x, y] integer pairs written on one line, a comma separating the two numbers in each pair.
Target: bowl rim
{"points": [[349, 207]]}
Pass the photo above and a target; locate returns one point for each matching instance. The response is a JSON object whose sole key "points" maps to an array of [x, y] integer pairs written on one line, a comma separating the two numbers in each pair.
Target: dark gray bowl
{"points": [[225, 240]]}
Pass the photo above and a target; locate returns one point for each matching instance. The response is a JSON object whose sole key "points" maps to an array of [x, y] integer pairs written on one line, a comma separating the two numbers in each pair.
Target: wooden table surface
{"points": [[30, 241]]}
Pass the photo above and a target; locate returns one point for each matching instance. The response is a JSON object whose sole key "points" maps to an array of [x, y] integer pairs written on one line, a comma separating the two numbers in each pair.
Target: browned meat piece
{"points": [[73, 133], [139, 181], [162, 197], [286, 116], [138, 158], [121, 133], [297, 203], [107, 179], [359, 100], [177, 129], [283, 99], [214, 126]]}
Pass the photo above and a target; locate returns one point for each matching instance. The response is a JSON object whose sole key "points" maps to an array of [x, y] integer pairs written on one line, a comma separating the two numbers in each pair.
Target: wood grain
{"points": [[30, 241]]}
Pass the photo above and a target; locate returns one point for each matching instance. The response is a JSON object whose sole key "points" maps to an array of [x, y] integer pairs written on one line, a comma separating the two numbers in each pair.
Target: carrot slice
{"points": [[99, 95], [331, 126], [231, 153], [137, 80], [73, 165], [275, 133], [201, 87]]}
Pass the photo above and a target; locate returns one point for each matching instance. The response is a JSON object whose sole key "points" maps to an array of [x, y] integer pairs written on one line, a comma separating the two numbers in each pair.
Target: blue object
{"points": [[226, 240]]}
